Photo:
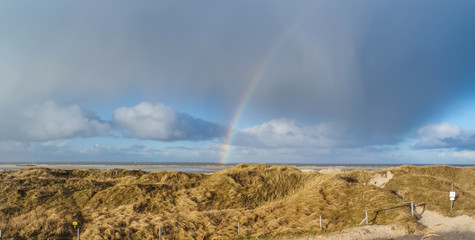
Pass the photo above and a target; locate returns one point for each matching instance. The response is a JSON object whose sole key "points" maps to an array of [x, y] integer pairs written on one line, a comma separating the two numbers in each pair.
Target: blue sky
{"points": [[238, 81]]}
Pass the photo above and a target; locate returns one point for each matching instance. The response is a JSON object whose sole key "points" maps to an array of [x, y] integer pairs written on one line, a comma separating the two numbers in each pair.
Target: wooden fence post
{"points": [[320, 222], [412, 208]]}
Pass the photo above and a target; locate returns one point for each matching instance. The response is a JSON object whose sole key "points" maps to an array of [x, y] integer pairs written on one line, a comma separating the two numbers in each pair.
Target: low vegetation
{"points": [[267, 201]]}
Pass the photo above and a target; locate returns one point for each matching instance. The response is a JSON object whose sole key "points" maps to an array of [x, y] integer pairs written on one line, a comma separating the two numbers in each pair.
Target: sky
{"points": [[342, 82]]}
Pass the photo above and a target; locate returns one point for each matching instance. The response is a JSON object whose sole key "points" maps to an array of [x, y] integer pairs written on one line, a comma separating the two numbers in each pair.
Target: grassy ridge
{"points": [[42, 203]]}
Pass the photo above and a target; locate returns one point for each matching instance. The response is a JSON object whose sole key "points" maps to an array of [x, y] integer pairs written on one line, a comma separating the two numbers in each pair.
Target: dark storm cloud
{"points": [[377, 68], [380, 68], [166, 49]]}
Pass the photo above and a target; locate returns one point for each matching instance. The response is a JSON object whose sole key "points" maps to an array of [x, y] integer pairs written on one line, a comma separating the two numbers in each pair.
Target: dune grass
{"points": [[267, 201]]}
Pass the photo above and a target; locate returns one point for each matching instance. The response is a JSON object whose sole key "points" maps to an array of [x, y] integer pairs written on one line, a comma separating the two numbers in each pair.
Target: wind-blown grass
{"points": [[40, 203]]}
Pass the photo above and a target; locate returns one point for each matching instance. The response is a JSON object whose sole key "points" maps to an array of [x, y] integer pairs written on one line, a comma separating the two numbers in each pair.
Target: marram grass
{"points": [[268, 201]]}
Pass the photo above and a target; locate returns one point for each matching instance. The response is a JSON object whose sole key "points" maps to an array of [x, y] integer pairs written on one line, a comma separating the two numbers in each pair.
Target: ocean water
{"points": [[185, 167]]}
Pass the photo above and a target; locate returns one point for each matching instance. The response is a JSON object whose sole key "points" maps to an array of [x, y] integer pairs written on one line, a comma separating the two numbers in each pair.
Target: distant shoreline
{"points": [[189, 167]]}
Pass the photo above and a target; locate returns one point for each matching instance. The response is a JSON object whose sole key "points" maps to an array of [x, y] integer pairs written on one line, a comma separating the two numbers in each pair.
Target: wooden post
{"points": [[412, 208], [239, 227], [452, 197], [320, 222], [78, 233], [365, 219], [160, 232], [451, 201], [366, 216]]}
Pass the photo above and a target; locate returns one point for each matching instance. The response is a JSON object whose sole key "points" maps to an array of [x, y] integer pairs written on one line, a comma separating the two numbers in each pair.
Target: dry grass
{"points": [[431, 185], [41, 203]]}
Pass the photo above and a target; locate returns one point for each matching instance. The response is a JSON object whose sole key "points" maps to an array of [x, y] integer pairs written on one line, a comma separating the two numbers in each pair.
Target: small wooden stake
{"points": [[365, 219], [412, 208]]}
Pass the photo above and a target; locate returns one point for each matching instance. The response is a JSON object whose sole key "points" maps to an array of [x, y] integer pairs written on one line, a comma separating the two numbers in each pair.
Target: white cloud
{"points": [[445, 135], [160, 122], [47, 121], [149, 121], [284, 133], [464, 154]]}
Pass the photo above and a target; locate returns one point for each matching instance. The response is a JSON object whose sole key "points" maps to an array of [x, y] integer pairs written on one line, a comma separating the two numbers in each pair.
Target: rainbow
{"points": [[256, 77]]}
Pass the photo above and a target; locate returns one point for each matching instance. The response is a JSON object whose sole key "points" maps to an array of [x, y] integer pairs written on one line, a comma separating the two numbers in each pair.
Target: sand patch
{"points": [[367, 233], [379, 180], [440, 223]]}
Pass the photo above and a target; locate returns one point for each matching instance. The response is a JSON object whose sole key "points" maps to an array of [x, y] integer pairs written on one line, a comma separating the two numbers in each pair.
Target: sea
{"points": [[188, 167]]}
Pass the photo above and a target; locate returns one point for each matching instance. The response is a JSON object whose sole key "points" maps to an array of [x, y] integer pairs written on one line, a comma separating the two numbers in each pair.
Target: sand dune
{"points": [[279, 202]]}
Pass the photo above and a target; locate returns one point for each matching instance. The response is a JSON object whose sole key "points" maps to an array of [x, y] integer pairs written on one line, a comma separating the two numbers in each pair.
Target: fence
{"points": [[410, 205]]}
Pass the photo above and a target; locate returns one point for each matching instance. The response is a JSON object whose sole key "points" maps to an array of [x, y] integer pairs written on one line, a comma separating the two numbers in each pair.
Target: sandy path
{"points": [[363, 233], [440, 223]]}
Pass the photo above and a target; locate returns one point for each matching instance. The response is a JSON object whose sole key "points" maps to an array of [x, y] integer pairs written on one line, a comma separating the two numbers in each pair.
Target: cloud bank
{"points": [[48, 121], [445, 135], [160, 122], [284, 133]]}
